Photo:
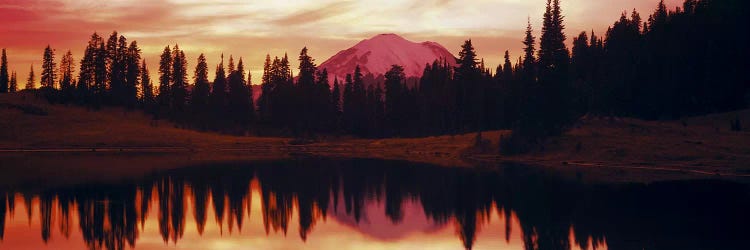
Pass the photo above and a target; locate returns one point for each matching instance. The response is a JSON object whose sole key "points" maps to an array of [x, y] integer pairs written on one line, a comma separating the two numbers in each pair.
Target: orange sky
{"points": [[253, 28]]}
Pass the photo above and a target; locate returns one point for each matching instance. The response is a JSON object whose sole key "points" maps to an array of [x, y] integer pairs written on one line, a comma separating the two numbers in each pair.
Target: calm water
{"points": [[368, 204]]}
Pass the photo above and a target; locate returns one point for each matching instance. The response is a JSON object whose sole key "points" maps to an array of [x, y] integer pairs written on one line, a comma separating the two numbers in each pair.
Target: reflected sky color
{"points": [[252, 29], [370, 204], [339, 231]]}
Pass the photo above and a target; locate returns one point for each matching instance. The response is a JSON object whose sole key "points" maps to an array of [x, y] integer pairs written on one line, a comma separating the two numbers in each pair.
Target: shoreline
{"points": [[602, 149]]}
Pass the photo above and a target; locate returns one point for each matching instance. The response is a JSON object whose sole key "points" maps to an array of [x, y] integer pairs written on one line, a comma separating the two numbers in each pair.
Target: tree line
{"points": [[680, 62]]}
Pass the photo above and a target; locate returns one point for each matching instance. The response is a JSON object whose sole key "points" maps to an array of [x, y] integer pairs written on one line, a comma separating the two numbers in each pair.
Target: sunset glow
{"points": [[252, 29]]}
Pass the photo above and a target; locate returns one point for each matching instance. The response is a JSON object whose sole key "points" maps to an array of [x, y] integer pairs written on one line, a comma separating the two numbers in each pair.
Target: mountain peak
{"points": [[377, 54]]}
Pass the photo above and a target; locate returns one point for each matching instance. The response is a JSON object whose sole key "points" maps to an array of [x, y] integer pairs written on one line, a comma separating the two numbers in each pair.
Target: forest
{"points": [[687, 61]]}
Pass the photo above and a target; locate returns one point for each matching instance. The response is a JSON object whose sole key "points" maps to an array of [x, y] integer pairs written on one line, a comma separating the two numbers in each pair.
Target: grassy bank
{"points": [[606, 149]]}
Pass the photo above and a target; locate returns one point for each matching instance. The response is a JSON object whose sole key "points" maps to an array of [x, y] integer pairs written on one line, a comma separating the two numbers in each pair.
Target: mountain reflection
{"points": [[370, 195]]}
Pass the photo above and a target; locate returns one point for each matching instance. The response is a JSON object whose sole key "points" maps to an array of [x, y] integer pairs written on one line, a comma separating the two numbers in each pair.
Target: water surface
{"points": [[371, 204]]}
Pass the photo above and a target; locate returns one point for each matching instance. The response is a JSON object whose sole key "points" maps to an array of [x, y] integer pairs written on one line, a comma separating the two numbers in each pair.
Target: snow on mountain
{"points": [[377, 54]]}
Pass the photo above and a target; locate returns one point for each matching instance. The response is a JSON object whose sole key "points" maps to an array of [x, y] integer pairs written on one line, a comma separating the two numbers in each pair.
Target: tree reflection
{"points": [[3, 210], [681, 215]]}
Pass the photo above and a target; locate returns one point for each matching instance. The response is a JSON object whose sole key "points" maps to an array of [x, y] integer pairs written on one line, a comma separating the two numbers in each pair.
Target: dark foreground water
{"points": [[371, 204]]}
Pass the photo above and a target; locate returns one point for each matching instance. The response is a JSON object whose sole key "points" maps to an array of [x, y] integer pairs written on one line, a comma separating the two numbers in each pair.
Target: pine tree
{"points": [[394, 95], [66, 76], [529, 62], [88, 72], [348, 104], [336, 103], [4, 77], [49, 68], [322, 102], [99, 89], [116, 53], [553, 54], [239, 100], [507, 68], [201, 90], [218, 97], [554, 58], [469, 98], [165, 79], [132, 74], [359, 98], [147, 88], [267, 87], [30, 81], [179, 84], [13, 87], [306, 85], [306, 70]]}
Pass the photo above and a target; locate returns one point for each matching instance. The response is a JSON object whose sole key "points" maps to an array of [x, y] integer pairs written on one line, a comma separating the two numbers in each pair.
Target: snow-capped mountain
{"points": [[377, 54]]}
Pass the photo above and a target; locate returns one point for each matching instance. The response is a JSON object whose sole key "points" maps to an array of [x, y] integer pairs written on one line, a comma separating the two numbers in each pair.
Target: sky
{"points": [[253, 28]]}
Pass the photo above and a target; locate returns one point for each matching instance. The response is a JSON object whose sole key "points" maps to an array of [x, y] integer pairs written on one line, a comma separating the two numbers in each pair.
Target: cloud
{"points": [[315, 15]]}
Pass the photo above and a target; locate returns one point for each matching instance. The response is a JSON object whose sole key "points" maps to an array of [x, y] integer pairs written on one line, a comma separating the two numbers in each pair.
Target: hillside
{"points": [[599, 149]]}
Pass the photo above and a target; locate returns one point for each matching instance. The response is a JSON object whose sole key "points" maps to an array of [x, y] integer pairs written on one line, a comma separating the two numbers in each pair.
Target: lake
{"points": [[317, 203]]}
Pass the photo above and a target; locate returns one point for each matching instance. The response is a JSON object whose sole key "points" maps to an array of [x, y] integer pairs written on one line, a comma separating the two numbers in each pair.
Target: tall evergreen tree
{"points": [[348, 116], [322, 101], [49, 68], [359, 104], [507, 68], [4, 77], [267, 88], [147, 88], [394, 100], [179, 84], [165, 79], [218, 97], [306, 85], [200, 94], [469, 98], [336, 104], [90, 80], [529, 61], [31, 80], [553, 63], [132, 75], [116, 54], [553, 54], [66, 76], [239, 100], [98, 91], [13, 86]]}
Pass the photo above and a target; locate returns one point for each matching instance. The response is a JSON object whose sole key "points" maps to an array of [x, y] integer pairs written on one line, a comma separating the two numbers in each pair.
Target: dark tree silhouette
{"points": [[218, 97], [4, 76], [67, 87], [165, 81], [13, 87], [179, 84], [30, 81], [336, 105], [132, 60], [240, 109], [147, 90], [49, 69], [199, 103], [395, 95], [468, 99]]}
